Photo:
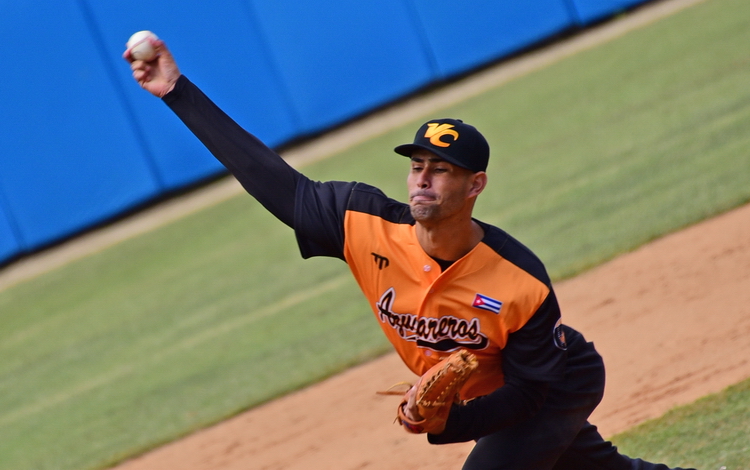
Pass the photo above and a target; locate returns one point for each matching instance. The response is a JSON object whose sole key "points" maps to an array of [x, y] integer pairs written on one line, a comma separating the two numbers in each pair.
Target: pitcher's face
{"points": [[438, 189]]}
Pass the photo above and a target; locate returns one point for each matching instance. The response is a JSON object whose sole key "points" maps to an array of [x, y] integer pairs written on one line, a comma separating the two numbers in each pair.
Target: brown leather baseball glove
{"points": [[425, 407]]}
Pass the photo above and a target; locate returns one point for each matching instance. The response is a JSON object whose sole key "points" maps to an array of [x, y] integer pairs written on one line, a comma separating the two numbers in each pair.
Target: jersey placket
{"points": [[434, 280]]}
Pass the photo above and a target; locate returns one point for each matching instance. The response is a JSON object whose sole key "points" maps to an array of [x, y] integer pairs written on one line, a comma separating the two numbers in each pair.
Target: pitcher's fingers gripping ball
{"points": [[425, 407]]}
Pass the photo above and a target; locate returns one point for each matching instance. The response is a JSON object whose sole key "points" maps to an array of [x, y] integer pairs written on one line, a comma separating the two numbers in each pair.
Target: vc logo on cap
{"points": [[441, 137], [436, 131]]}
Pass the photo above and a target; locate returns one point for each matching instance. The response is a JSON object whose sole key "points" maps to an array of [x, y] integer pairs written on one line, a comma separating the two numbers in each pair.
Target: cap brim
{"points": [[408, 149]]}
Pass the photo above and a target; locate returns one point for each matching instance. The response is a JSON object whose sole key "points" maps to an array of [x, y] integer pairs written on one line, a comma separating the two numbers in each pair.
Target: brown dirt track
{"points": [[671, 319]]}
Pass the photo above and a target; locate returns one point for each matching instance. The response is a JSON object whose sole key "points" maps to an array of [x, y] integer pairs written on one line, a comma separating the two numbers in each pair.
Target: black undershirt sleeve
{"points": [[262, 172], [514, 402]]}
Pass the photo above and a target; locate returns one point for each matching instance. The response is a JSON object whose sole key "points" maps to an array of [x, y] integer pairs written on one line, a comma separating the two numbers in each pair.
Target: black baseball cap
{"points": [[453, 141]]}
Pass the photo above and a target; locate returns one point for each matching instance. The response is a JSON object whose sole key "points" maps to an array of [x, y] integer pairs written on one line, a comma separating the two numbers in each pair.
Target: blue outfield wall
{"points": [[341, 58], [461, 39], [69, 156], [215, 44], [589, 11], [9, 242], [82, 143]]}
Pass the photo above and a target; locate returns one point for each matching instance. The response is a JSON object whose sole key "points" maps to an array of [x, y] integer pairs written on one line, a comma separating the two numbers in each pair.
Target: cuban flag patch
{"points": [[487, 303]]}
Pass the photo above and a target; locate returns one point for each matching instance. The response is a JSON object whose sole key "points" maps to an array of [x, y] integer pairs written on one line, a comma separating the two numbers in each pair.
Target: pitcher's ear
{"points": [[479, 182]]}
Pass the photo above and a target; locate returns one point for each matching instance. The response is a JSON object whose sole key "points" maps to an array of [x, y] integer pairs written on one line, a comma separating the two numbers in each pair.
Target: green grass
{"points": [[185, 326], [166, 333], [708, 434]]}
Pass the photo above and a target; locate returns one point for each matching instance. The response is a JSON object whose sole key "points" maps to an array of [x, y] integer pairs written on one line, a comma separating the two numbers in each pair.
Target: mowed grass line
{"points": [[186, 343], [137, 345], [708, 434], [215, 313]]}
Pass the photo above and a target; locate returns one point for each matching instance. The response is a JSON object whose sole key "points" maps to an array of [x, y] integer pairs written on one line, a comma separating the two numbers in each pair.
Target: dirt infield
{"points": [[671, 319]]}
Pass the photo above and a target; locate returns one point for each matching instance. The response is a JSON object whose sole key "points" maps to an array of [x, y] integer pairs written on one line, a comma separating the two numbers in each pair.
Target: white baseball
{"points": [[140, 47]]}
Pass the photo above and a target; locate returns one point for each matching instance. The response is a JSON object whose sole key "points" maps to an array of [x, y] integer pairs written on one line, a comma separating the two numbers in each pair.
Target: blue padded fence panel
{"points": [[81, 142], [588, 11], [68, 157], [341, 58], [462, 38], [218, 47], [9, 243]]}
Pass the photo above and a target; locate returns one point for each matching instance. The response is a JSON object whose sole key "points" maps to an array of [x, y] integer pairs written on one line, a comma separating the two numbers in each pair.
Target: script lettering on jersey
{"points": [[440, 334]]}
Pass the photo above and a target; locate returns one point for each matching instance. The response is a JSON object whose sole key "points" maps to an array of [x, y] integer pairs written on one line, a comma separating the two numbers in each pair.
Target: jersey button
{"points": [[427, 268]]}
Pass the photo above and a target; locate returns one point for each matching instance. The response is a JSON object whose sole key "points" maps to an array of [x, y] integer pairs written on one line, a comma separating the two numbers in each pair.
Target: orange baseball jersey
{"points": [[496, 301]]}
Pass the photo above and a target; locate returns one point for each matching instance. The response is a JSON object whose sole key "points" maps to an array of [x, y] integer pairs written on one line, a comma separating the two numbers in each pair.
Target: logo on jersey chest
{"points": [[380, 260], [446, 333]]}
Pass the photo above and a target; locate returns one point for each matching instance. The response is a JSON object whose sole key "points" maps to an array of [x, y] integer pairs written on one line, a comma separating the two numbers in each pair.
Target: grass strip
{"points": [[708, 434]]}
